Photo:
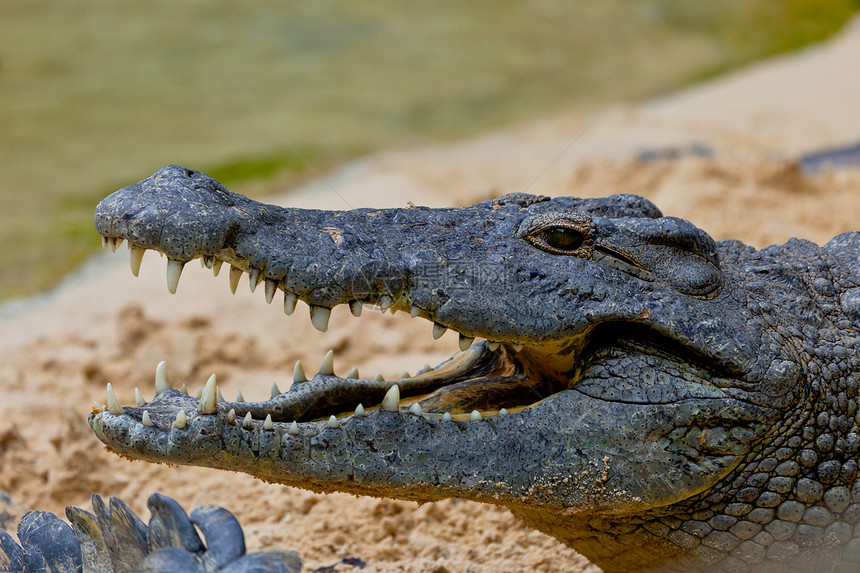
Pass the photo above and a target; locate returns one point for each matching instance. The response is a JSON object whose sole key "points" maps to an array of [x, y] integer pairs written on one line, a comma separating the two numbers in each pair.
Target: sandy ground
{"points": [[103, 325]]}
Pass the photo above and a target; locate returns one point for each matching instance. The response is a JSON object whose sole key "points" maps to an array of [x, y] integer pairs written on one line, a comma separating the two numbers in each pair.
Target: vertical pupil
{"points": [[563, 239]]}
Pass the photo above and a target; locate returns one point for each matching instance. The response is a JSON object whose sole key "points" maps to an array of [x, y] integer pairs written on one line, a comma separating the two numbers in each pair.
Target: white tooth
{"points": [[415, 408], [97, 407], [355, 308], [162, 380], [427, 368], [145, 419], [359, 410], [299, 372], [248, 421], [503, 412], [294, 429], [290, 300], [319, 317], [446, 417], [493, 345], [438, 330], [135, 256], [174, 269], [203, 260], [391, 402], [105, 241], [414, 311], [275, 390], [138, 398], [378, 378], [385, 302], [271, 287], [216, 267], [405, 375], [253, 278], [181, 419], [112, 403], [184, 389], [218, 395], [239, 397], [353, 373], [475, 416], [465, 342], [332, 422], [518, 347], [327, 366], [231, 416], [267, 424], [199, 393], [235, 275], [208, 399], [115, 242]]}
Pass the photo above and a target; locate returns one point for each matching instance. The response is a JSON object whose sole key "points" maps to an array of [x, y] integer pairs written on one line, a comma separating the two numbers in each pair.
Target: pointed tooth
{"points": [[135, 254], [253, 278], [446, 417], [199, 393], [427, 368], [414, 311], [231, 417], [216, 267], [438, 330], [174, 270], [319, 317], [518, 347], [385, 302], [378, 378], [271, 287], [332, 422], [162, 380], [503, 412], [267, 424], [327, 366], [248, 421], [475, 416], [415, 408], [275, 391], [290, 300], [145, 419], [112, 403], [353, 373], [181, 419], [203, 261], [355, 308], [105, 242], [465, 342], [208, 400], [299, 373], [138, 398], [391, 402], [97, 407], [294, 429], [115, 242], [405, 375], [239, 397], [184, 389], [218, 395], [493, 345], [359, 410], [235, 275]]}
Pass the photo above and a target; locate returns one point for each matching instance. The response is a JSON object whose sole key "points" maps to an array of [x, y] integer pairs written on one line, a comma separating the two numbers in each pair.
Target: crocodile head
{"points": [[620, 370]]}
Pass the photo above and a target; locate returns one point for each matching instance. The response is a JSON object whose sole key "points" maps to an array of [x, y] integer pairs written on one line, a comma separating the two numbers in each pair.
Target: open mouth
{"points": [[484, 379]]}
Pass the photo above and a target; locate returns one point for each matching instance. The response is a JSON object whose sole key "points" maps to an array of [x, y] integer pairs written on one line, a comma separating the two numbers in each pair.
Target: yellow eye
{"points": [[563, 239]]}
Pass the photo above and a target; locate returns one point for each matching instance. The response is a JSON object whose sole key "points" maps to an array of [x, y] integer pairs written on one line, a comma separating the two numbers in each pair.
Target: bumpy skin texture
{"points": [[113, 539], [677, 404]]}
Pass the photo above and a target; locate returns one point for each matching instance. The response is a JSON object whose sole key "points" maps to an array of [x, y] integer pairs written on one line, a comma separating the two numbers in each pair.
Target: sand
{"points": [[103, 325]]}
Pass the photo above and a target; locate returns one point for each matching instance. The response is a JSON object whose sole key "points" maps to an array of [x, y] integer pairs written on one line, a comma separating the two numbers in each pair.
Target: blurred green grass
{"points": [[97, 94]]}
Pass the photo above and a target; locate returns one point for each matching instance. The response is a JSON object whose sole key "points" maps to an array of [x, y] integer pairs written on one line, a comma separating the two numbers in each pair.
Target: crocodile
{"points": [[653, 398]]}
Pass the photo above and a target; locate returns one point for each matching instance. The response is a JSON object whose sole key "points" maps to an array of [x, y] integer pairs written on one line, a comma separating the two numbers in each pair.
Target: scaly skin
{"points": [[671, 403]]}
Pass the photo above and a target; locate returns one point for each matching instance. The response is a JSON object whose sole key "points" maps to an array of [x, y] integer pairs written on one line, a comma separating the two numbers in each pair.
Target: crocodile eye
{"points": [[563, 238]]}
